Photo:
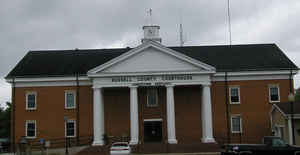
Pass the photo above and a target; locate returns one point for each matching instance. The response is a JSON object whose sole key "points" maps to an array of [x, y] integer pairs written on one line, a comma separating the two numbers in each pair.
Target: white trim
{"points": [[155, 45], [150, 73], [296, 116], [278, 88], [156, 97], [70, 121], [35, 100], [85, 81], [47, 79], [280, 126], [52, 83], [242, 73], [239, 94], [241, 128], [280, 111], [26, 126], [253, 75], [251, 78], [74, 95], [153, 120]]}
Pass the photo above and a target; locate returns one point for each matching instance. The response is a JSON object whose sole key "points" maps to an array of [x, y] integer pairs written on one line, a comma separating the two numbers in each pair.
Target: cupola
{"points": [[151, 33]]}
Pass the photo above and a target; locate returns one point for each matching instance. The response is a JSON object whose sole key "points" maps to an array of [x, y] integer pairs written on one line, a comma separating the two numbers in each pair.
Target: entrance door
{"points": [[152, 131]]}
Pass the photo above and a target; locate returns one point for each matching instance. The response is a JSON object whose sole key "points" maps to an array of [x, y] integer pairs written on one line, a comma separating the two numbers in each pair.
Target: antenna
{"points": [[150, 16], [181, 39], [181, 35], [229, 22]]}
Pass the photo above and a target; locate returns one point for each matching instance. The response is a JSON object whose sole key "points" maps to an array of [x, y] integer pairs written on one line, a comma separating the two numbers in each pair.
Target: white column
{"points": [[134, 117], [206, 114], [98, 117], [290, 131], [171, 115]]}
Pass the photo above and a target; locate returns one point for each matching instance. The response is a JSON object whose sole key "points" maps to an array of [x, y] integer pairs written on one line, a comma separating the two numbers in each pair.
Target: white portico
{"points": [[152, 64]]}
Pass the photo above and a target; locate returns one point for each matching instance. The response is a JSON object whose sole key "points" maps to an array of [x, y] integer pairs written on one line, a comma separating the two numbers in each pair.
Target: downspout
{"points": [[12, 119], [77, 99], [292, 109], [227, 109]]}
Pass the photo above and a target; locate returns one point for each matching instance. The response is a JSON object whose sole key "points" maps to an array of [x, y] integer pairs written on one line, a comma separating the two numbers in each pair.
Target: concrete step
{"points": [[160, 149]]}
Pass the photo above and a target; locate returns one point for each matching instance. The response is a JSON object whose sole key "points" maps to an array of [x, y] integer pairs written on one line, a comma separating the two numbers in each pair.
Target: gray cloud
{"points": [[31, 25]]}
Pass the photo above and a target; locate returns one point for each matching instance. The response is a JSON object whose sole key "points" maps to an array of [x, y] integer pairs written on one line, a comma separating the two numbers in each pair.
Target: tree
{"points": [[5, 121]]}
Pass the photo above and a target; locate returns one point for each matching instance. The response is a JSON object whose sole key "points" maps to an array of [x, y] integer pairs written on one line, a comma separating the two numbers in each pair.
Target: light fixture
{"points": [[291, 97]]}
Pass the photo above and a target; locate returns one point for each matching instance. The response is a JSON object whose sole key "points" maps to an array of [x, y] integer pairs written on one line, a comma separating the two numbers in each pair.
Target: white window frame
{"points": [[26, 127], [239, 94], [156, 97], [74, 94], [35, 100], [271, 86], [241, 125], [69, 121]]}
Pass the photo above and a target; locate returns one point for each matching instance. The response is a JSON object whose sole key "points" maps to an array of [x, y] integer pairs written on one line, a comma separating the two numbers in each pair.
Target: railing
{"points": [[238, 140], [61, 142]]}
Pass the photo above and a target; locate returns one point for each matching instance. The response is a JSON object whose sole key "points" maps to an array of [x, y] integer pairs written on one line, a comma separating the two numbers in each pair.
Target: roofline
{"points": [[43, 79], [218, 73], [8, 78], [92, 49], [280, 111], [156, 45], [261, 69], [287, 116]]}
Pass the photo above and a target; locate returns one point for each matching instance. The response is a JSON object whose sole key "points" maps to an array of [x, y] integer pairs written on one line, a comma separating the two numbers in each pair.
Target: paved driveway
{"points": [[203, 153]]}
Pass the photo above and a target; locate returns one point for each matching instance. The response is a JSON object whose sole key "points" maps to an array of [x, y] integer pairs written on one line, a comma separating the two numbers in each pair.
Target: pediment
{"points": [[151, 57]]}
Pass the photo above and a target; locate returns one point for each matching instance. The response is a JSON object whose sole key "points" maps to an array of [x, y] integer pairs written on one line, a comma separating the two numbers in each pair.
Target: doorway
{"points": [[152, 131]]}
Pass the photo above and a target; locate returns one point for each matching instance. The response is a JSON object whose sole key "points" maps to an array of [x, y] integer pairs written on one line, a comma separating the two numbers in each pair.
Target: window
{"points": [[70, 128], [70, 99], [30, 129], [152, 100], [234, 93], [236, 124], [274, 93], [30, 100]]}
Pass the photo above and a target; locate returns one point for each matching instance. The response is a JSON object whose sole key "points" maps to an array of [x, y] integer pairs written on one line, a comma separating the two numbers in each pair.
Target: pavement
{"points": [[200, 153]]}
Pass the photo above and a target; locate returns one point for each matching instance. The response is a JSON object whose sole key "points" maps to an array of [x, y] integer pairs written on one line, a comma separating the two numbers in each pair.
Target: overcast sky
{"points": [[64, 24]]}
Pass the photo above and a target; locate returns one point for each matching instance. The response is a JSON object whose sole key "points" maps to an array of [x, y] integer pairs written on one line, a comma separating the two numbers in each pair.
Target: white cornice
{"points": [[241, 73], [50, 81], [47, 79], [85, 80], [253, 75], [149, 73]]}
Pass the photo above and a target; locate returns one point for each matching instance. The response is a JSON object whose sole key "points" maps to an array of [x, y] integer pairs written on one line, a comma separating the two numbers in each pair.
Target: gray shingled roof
{"points": [[286, 107], [222, 57]]}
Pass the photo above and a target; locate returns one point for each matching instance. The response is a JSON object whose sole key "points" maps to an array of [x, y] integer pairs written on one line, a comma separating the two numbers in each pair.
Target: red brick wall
{"points": [[50, 111], [254, 109], [117, 111], [188, 113]]}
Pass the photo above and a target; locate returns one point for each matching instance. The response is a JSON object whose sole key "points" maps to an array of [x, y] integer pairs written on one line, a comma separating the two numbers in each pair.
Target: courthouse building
{"points": [[150, 93]]}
